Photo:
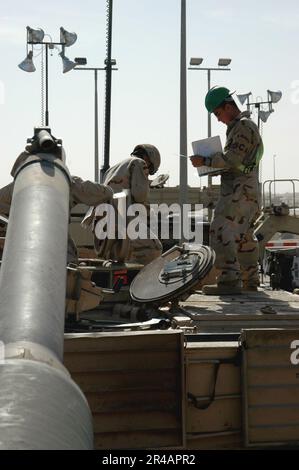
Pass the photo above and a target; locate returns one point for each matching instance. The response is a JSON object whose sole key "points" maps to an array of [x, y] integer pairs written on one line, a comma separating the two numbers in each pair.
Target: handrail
{"points": [[291, 180]]}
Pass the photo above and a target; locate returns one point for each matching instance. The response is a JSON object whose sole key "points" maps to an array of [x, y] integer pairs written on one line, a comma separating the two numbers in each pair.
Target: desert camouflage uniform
{"points": [[238, 206], [130, 174], [5, 198], [81, 192]]}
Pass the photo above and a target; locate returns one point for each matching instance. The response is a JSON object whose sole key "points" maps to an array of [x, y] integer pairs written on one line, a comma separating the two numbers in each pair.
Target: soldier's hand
{"points": [[197, 160]]}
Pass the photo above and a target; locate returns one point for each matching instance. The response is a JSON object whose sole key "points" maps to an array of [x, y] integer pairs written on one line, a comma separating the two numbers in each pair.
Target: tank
{"points": [[156, 370]]}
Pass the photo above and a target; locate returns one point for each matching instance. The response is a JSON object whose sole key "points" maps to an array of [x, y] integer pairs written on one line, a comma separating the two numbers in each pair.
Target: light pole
{"points": [[274, 177], [96, 116], [109, 63], [36, 37], [222, 67], [223, 64], [263, 114], [183, 116]]}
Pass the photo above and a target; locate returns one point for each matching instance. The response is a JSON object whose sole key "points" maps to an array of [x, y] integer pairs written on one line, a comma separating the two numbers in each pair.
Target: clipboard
{"points": [[207, 148]]}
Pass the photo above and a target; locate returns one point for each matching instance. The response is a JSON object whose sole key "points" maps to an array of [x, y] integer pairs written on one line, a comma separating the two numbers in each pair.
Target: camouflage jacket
{"points": [[130, 173], [81, 192], [241, 148]]}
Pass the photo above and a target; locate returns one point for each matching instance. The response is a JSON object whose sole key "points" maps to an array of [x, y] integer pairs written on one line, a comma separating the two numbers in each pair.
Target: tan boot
{"points": [[223, 289], [249, 288]]}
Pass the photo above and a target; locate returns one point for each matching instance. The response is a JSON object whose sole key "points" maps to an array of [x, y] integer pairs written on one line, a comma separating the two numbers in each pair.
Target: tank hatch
{"points": [[173, 274]]}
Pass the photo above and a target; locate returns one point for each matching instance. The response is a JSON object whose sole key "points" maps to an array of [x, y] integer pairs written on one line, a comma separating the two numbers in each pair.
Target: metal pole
{"points": [[183, 116], [47, 87], [96, 128], [258, 120], [259, 168], [210, 212], [106, 165], [274, 156], [208, 69], [209, 114]]}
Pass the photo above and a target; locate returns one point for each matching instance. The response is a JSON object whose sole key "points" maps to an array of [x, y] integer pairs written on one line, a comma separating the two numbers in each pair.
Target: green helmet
{"points": [[216, 96]]}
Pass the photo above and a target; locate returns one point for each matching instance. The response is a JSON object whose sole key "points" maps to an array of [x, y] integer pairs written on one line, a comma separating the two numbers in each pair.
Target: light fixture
{"points": [[35, 35], [264, 115], [274, 96], [196, 60], [80, 60], [67, 63], [112, 62], [27, 65], [224, 62], [66, 38], [244, 97]]}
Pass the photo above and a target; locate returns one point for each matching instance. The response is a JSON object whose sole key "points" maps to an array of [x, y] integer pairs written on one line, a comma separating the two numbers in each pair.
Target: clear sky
{"points": [[261, 38]]}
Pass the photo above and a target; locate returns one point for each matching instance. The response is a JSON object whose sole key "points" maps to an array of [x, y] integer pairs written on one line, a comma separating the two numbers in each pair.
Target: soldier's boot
{"points": [[223, 288], [247, 287]]}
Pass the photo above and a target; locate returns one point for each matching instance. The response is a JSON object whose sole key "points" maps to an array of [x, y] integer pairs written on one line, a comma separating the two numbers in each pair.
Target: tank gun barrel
{"points": [[45, 140], [40, 405]]}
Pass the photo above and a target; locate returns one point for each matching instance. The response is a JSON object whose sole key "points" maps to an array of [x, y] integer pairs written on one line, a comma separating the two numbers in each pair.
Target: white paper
{"points": [[207, 148]]}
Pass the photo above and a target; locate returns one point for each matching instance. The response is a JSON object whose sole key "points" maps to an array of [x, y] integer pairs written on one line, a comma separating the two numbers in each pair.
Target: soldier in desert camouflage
{"points": [[238, 206], [131, 174], [81, 192], [81, 293]]}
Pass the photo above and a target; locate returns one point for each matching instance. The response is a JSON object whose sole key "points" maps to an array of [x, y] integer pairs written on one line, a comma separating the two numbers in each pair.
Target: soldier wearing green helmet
{"points": [[216, 96], [238, 206]]}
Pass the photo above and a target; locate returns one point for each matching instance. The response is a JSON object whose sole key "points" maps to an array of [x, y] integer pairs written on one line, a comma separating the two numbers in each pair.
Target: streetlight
{"points": [[108, 89], [96, 114], [223, 64], [36, 37], [183, 195], [263, 114]]}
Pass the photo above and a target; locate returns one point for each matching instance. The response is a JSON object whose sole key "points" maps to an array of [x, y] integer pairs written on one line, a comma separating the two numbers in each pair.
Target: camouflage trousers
{"points": [[234, 243], [141, 251]]}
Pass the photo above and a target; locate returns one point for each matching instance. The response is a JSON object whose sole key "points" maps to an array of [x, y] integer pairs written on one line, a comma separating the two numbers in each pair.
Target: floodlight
{"points": [[67, 63], [264, 115], [27, 65], [224, 62], [35, 35], [196, 60], [243, 98], [68, 39], [274, 96]]}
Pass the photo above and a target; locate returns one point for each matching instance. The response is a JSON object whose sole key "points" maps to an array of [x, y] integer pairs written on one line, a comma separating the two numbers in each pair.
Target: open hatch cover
{"points": [[172, 274]]}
